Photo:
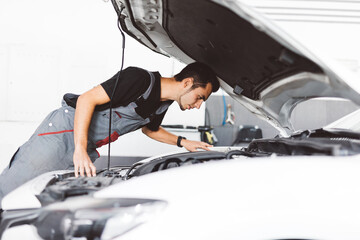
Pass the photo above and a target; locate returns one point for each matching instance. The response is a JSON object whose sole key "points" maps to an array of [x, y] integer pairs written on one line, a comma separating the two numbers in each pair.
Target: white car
{"points": [[299, 185]]}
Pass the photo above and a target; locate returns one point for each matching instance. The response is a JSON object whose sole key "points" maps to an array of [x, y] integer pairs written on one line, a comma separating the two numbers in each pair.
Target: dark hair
{"points": [[202, 75]]}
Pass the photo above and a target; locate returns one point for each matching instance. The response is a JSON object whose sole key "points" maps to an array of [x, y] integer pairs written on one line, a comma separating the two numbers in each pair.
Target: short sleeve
{"points": [[132, 83]]}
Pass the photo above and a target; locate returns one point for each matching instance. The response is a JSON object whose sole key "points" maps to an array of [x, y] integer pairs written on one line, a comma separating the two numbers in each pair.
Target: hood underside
{"points": [[257, 64]]}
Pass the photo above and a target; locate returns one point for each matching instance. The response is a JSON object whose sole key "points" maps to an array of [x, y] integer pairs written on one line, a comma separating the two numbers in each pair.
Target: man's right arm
{"points": [[85, 107]]}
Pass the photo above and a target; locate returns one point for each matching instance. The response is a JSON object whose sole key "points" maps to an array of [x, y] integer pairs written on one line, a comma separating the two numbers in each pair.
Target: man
{"points": [[69, 136]]}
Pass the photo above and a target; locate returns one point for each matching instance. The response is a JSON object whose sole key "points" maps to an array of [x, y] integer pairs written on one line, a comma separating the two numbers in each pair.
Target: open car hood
{"points": [[257, 63]]}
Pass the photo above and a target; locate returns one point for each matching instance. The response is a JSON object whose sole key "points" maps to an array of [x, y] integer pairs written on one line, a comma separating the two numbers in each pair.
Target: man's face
{"points": [[193, 98]]}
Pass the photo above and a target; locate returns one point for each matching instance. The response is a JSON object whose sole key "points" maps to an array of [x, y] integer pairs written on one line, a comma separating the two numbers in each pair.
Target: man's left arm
{"points": [[164, 136]]}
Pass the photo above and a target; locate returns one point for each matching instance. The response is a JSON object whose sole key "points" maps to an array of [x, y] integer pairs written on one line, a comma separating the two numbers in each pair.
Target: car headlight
{"points": [[130, 218], [96, 218]]}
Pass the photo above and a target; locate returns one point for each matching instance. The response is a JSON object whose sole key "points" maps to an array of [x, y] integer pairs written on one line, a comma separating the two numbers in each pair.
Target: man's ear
{"points": [[188, 82]]}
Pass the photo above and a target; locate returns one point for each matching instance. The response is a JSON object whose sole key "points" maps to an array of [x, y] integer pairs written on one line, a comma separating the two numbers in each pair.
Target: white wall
{"points": [[49, 48]]}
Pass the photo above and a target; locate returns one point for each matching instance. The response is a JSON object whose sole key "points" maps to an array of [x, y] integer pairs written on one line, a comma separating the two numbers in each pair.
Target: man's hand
{"points": [[192, 146], [82, 162], [164, 136]]}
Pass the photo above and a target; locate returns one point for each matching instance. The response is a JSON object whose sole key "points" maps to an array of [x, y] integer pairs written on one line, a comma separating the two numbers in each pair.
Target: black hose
{"points": [[126, 177], [116, 83]]}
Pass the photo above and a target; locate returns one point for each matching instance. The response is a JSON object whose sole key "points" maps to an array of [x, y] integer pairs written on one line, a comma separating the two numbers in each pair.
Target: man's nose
{"points": [[198, 104]]}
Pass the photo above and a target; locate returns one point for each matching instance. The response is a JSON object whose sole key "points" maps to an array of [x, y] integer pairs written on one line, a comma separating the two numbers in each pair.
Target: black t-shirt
{"points": [[133, 82]]}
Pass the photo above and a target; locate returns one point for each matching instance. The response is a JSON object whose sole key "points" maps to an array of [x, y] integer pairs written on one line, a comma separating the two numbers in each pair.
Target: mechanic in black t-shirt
{"points": [[189, 88], [68, 136]]}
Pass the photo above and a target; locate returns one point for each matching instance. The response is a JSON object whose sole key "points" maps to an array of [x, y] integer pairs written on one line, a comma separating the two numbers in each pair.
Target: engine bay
{"points": [[317, 142]]}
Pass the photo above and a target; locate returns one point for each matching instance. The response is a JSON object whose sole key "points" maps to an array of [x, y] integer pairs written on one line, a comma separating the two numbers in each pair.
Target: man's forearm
{"points": [[83, 115], [161, 135], [166, 137]]}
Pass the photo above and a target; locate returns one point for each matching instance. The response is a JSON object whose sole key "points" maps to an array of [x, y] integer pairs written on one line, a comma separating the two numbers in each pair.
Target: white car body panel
{"points": [[297, 197], [350, 121]]}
